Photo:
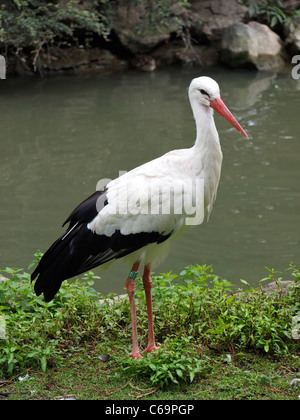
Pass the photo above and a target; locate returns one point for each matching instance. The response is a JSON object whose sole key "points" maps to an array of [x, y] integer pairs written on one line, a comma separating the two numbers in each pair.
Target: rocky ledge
{"points": [[208, 32]]}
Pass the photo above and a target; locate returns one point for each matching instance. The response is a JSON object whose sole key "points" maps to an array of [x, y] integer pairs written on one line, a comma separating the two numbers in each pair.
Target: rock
{"points": [[177, 52], [78, 60], [281, 287], [198, 55], [252, 45], [143, 63], [114, 299], [291, 5], [292, 41], [210, 17], [140, 29], [274, 289]]}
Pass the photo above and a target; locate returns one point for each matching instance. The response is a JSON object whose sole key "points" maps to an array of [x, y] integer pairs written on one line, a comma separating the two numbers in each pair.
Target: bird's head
{"points": [[205, 91]]}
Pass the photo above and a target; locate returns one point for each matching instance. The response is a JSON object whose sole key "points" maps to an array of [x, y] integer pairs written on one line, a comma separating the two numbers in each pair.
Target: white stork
{"points": [[99, 232]]}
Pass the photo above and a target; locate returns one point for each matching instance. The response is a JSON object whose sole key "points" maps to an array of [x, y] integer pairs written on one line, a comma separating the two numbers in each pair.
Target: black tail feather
{"points": [[62, 260]]}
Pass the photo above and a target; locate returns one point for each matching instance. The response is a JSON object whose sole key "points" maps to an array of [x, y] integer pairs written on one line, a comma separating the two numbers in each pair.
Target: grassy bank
{"points": [[221, 344]]}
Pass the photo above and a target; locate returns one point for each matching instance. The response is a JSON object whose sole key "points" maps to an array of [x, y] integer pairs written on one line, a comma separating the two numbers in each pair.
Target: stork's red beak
{"points": [[219, 106]]}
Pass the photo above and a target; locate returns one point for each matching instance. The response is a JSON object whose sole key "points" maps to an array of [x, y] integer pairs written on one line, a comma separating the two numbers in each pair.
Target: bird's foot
{"points": [[150, 348], [136, 355]]}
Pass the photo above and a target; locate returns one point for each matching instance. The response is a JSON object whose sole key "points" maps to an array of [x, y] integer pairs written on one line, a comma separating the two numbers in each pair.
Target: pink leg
{"points": [[147, 281], [130, 286]]}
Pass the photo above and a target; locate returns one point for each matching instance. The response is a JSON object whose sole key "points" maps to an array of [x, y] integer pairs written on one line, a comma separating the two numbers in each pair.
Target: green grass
{"points": [[84, 376], [216, 342]]}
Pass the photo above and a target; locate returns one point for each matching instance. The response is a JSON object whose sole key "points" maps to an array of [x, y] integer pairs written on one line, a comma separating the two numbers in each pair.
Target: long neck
{"points": [[207, 135], [206, 154]]}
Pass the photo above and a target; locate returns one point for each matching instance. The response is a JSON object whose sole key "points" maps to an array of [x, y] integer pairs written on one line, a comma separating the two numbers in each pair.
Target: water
{"points": [[60, 136]]}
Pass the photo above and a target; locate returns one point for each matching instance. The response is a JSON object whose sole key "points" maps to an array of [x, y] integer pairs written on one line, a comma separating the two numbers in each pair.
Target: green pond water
{"points": [[60, 136]]}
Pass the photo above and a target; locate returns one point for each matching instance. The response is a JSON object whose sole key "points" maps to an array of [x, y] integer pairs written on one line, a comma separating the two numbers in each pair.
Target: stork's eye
{"points": [[203, 92]]}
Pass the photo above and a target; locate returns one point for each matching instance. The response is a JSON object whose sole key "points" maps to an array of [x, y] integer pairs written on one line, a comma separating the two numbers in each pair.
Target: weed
{"points": [[177, 361], [272, 11], [194, 312]]}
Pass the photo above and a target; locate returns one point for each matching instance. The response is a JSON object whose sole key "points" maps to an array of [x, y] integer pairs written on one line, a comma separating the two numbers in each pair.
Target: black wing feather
{"points": [[89, 208], [80, 250]]}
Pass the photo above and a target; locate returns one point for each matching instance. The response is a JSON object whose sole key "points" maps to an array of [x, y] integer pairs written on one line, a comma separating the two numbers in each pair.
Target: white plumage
{"points": [[130, 196], [136, 215]]}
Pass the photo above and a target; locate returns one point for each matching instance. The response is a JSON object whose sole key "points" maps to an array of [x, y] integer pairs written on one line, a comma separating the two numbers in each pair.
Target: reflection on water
{"points": [[60, 136]]}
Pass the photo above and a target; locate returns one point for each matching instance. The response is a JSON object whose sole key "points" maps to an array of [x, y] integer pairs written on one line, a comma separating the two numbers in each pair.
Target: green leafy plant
{"points": [[37, 331], [273, 11], [193, 311], [208, 308], [178, 361], [37, 24], [162, 13]]}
